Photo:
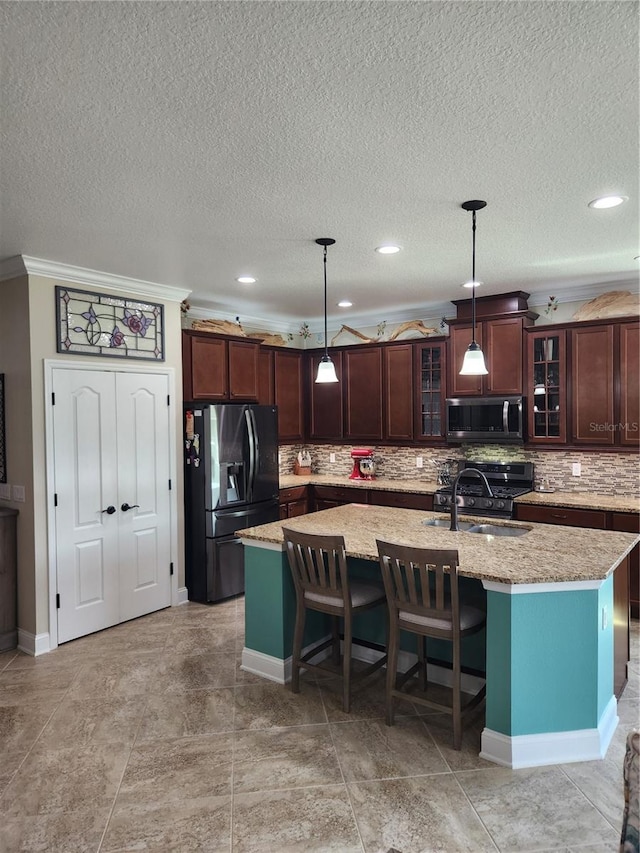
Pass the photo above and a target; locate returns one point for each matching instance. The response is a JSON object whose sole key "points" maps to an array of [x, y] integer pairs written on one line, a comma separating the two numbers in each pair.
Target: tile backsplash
{"points": [[601, 473]]}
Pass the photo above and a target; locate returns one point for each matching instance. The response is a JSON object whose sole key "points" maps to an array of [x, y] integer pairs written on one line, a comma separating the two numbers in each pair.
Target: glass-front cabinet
{"points": [[546, 387], [430, 378]]}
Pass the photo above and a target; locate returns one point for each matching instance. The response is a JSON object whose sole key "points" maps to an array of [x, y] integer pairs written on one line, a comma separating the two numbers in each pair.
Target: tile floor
{"points": [[149, 736]]}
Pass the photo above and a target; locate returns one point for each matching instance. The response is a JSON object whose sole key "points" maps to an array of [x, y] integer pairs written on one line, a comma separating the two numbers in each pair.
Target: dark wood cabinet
{"points": [[569, 517], [326, 412], [363, 393], [592, 406], [243, 370], [501, 341], [630, 523], [288, 394], [630, 384], [204, 367], [327, 497], [429, 383], [218, 368], [405, 500], [398, 392], [294, 501], [266, 391], [546, 386]]}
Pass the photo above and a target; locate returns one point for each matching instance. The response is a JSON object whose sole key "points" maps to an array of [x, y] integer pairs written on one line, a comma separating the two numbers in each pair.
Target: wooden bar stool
{"points": [[319, 569], [422, 594]]}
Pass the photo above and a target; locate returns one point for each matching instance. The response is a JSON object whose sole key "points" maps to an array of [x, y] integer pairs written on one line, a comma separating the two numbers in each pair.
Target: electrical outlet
{"points": [[576, 469], [17, 493], [419, 462], [332, 457], [5, 492]]}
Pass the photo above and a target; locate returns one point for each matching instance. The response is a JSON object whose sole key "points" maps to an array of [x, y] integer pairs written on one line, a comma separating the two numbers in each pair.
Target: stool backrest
{"points": [[421, 581], [318, 564]]}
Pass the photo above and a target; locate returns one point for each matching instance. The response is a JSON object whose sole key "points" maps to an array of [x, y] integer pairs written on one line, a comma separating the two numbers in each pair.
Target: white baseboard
{"points": [[183, 596], [33, 644], [551, 747]]}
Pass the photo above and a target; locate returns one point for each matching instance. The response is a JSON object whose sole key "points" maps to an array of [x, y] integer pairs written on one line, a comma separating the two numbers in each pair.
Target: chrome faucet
{"points": [[454, 492]]}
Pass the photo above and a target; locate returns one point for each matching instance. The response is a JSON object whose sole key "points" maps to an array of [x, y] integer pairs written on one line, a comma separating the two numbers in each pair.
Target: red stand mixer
{"points": [[363, 464]]}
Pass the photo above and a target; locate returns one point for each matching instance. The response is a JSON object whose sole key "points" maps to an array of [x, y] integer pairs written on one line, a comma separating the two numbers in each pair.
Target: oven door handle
{"points": [[505, 416]]}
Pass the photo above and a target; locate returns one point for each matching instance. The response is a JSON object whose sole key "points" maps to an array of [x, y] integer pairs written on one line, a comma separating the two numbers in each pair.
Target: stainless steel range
{"points": [[506, 479]]}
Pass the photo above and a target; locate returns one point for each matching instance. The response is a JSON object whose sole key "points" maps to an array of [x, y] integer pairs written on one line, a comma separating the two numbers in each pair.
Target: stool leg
{"points": [[457, 714], [346, 665], [392, 666], [422, 658], [335, 633], [298, 635]]}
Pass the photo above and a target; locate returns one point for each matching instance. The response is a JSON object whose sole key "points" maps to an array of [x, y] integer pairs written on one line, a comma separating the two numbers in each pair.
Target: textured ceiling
{"points": [[187, 143]]}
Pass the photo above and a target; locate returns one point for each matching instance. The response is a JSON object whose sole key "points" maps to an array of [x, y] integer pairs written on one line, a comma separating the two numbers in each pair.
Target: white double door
{"points": [[112, 515]]}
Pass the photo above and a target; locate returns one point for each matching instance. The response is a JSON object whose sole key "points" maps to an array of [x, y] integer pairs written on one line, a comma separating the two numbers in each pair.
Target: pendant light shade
{"points": [[473, 363], [326, 368]]}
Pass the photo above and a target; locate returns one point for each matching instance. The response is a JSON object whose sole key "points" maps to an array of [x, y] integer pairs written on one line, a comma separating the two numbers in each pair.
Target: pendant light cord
{"points": [[473, 279], [326, 345]]}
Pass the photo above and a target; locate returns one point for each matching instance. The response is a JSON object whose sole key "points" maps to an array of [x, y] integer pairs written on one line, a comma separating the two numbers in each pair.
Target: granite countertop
{"points": [[577, 500], [581, 500], [419, 487], [545, 554]]}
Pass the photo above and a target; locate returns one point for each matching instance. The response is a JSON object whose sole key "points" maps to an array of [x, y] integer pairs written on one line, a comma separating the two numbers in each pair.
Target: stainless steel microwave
{"points": [[485, 419]]}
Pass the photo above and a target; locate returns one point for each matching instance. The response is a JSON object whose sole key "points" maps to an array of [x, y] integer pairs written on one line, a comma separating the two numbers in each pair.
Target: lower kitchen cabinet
{"points": [[630, 522], [594, 518], [406, 500], [294, 501], [326, 497]]}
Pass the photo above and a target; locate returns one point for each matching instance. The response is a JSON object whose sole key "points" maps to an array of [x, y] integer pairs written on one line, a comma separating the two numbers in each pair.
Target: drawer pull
{"points": [[557, 515]]}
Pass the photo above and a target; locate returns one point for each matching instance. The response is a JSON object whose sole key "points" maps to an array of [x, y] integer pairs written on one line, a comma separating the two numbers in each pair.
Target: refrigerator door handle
{"points": [[249, 418]]}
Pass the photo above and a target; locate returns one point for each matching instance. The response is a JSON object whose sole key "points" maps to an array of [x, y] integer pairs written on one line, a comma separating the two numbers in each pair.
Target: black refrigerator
{"points": [[230, 482]]}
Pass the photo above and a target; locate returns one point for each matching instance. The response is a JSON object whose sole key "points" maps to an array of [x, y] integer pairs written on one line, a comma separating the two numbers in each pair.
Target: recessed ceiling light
{"points": [[246, 279], [471, 284], [388, 249], [608, 201], [344, 303]]}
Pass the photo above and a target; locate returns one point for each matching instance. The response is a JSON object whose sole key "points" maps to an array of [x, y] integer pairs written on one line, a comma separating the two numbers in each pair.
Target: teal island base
{"points": [[549, 656]]}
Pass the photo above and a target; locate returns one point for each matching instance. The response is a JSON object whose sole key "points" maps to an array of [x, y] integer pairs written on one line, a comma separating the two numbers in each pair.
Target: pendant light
{"points": [[473, 363], [326, 368]]}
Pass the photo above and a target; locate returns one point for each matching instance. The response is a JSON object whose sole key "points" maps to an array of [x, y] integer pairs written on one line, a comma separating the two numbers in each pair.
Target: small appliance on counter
{"points": [[364, 466]]}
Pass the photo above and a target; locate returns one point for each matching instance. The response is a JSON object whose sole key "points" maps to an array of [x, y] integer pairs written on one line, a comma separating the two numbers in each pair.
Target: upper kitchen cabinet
{"points": [[219, 368], [605, 395], [326, 410], [592, 369], [546, 386], [363, 393], [398, 391], [266, 390], [630, 383], [500, 324], [287, 369], [430, 390]]}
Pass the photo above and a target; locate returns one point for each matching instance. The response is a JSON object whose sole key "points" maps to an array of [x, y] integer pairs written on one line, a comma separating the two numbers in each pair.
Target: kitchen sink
{"points": [[446, 522], [497, 530]]}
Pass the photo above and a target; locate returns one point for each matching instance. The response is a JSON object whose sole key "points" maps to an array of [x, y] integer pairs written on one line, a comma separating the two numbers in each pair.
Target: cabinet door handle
{"points": [[109, 510], [557, 515], [126, 507]]}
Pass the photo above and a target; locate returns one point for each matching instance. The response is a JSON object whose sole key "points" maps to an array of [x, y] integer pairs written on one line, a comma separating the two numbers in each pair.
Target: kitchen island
{"points": [[550, 621]]}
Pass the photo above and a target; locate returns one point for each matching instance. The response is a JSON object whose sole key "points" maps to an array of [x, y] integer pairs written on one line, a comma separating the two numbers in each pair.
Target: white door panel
{"points": [[143, 480], [86, 484], [111, 447]]}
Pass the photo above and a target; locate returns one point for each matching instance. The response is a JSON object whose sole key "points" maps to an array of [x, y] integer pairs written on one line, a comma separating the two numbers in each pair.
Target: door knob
{"points": [[109, 510], [126, 507]]}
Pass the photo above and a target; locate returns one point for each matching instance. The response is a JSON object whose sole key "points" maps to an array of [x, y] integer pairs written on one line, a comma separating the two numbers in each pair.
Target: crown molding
{"points": [[26, 265]]}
